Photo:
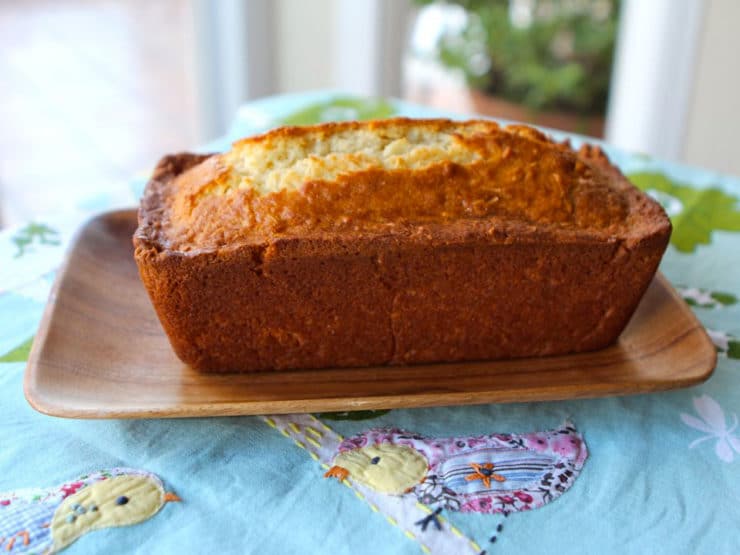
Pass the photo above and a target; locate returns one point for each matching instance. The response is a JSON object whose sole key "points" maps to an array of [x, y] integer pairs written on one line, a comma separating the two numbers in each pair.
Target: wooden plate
{"points": [[101, 353]]}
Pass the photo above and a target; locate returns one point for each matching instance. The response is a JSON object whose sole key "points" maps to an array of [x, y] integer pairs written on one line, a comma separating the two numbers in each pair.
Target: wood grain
{"points": [[101, 353]]}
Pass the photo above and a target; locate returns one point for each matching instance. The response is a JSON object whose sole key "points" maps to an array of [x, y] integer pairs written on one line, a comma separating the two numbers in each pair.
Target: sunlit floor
{"points": [[90, 93]]}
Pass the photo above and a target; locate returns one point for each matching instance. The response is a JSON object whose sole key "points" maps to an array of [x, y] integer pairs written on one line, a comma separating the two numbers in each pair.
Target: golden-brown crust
{"points": [[399, 290], [153, 215], [563, 188]]}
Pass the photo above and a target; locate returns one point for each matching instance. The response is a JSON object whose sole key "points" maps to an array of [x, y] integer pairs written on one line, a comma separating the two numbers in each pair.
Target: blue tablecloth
{"points": [[662, 473]]}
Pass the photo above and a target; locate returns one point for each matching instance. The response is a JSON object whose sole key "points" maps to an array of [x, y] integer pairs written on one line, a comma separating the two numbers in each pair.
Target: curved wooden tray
{"points": [[101, 353]]}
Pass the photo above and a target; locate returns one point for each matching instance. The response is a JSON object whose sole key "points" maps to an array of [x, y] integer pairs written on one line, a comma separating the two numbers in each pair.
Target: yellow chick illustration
{"points": [[386, 468], [47, 521]]}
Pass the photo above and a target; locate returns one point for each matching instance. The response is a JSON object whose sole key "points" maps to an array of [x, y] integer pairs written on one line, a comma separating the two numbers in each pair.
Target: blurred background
{"points": [[93, 91]]}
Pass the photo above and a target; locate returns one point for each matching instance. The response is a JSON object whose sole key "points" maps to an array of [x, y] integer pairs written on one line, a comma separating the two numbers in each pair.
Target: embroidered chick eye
{"points": [[375, 460], [122, 500]]}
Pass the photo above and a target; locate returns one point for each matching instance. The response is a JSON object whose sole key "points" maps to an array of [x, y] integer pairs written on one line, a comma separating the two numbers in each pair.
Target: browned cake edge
{"points": [[464, 291]]}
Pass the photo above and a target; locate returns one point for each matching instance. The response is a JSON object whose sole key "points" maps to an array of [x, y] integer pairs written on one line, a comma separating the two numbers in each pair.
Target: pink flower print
{"points": [[565, 445], [506, 501], [387, 438], [354, 443], [536, 442], [523, 497], [478, 505], [484, 504], [476, 441], [69, 489], [4, 502]]}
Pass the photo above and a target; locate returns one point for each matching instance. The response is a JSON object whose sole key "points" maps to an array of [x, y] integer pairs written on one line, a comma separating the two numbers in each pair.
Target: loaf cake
{"points": [[393, 242]]}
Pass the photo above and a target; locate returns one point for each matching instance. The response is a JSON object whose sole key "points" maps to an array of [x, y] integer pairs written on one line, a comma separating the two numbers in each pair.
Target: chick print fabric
{"points": [[48, 520], [497, 473]]}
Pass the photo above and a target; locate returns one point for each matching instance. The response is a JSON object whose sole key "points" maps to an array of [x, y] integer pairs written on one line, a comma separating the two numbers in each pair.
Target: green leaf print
{"points": [[703, 298], [695, 213], [725, 299], [725, 343], [733, 349], [353, 415], [341, 108], [34, 232], [20, 353]]}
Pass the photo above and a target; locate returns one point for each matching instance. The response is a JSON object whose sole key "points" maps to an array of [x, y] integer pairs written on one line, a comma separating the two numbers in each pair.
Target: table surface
{"points": [[662, 473]]}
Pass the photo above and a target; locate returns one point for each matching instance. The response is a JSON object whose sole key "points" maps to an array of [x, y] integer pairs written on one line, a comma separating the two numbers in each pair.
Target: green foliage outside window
{"points": [[545, 54]]}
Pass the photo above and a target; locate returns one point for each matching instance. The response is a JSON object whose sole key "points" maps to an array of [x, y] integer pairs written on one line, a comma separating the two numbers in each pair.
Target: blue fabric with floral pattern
{"points": [[663, 473]]}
